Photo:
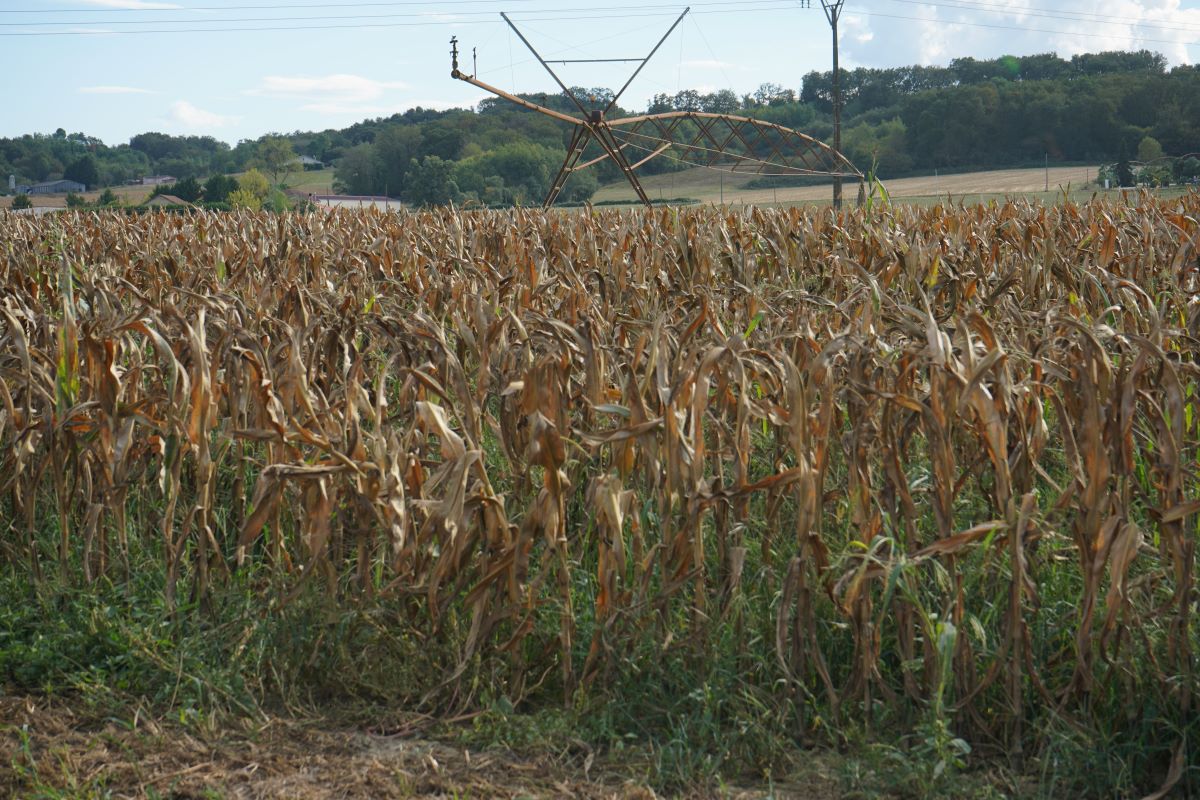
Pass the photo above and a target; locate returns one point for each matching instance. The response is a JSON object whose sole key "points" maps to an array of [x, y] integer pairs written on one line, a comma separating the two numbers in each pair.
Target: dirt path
{"points": [[49, 750]]}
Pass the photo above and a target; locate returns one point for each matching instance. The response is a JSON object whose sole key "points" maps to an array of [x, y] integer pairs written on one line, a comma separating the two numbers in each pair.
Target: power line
{"points": [[965, 5], [391, 3], [970, 5], [321, 6], [427, 13], [558, 16], [565, 16], [435, 23]]}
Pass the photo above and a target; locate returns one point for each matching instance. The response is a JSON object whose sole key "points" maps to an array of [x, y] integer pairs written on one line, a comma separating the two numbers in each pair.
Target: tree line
{"points": [[972, 113]]}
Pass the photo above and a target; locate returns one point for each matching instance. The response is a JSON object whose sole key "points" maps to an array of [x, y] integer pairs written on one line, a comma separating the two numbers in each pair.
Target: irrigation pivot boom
{"points": [[717, 141]]}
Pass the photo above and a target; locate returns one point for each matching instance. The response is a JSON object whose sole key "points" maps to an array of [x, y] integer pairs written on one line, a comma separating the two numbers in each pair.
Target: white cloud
{"points": [[186, 115], [327, 91], [856, 28], [906, 32], [113, 90]]}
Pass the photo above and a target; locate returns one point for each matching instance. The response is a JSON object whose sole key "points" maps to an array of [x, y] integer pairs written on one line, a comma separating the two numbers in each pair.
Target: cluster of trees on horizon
{"points": [[971, 114]]}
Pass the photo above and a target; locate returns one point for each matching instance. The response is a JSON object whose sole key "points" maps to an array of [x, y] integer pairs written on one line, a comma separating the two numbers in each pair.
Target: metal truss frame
{"points": [[718, 141]]}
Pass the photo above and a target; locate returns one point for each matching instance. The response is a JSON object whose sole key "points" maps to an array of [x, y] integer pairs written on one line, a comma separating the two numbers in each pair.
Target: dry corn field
{"points": [[936, 458]]}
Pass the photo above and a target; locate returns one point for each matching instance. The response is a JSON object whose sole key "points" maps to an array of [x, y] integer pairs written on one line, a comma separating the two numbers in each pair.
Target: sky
{"points": [[239, 69]]}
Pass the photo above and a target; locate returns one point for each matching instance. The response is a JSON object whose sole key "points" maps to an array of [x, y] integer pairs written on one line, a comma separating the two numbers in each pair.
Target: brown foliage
{"points": [[492, 410]]}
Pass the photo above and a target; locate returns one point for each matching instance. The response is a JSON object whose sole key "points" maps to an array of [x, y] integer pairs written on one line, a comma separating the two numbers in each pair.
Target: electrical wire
{"points": [[531, 60], [285, 6], [966, 5], [711, 52], [561, 15], [432, 23], [570, 48], [665, 7], [565, 17], [556, 15], [981, 6]]}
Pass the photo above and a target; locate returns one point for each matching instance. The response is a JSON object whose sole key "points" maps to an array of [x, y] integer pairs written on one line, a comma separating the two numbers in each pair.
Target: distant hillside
{"points": [[971, 114]]}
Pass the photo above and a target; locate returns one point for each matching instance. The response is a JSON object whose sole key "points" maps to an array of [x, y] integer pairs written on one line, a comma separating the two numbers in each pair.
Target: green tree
{"points": [[772, 94], [244, 198], [256, 184], [1043, 66], [580, 186], [1188, 168], [525, 170], [1149, 149], [21, 201], [276, 200], [395, 149], [1124, 171], [430, 182], [187, 189], [276, 156], [218, 187], [884, 145], [84, 170], [107, 198], [75, 200], [720, 102], [357, 171], [1116, 62], [442, 138]]}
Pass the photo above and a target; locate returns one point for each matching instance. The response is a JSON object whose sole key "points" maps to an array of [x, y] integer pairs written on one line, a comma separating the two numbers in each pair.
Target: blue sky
{"points": [[114, 68]]}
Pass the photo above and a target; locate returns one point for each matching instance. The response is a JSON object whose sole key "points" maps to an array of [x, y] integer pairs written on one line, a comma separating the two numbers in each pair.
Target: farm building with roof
{"points": [[167, 200], [53, 187]]}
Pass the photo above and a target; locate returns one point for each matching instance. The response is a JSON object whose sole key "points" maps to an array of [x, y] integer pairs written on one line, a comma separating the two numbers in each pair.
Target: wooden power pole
{"points": [[833, 11]]}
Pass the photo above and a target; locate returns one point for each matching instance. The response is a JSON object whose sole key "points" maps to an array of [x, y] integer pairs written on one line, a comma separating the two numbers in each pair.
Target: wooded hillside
{"points": [[970, 114]]}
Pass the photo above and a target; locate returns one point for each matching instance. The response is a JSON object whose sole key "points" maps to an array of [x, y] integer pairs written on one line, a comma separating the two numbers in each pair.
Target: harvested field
{"points": [[705, 185], [130, 195], [730, 483]]}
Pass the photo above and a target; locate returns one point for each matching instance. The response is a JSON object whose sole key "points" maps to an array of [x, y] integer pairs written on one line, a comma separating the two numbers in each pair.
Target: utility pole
{"points": [[833, 11]]}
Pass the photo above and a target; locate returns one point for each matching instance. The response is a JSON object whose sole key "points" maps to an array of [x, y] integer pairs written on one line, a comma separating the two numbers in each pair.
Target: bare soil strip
{"points": [[49, 750]]}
